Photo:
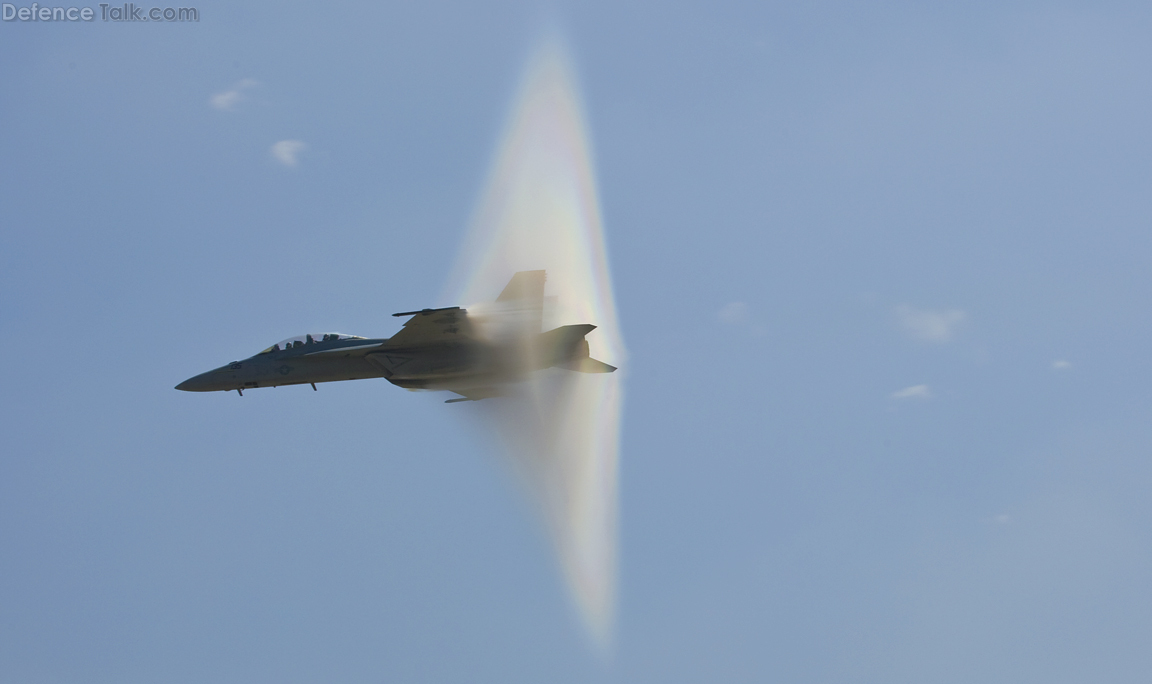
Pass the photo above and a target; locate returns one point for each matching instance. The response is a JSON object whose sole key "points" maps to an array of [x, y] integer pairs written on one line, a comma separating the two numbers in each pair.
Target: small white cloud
{"points": [[1061, 365], [227, 100], [929, 325], [734, 313], [913, 392], [287, 152], [737, 314], [1002, 519]]}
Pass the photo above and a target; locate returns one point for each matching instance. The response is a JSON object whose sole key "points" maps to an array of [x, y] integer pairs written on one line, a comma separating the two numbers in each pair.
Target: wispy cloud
{"points": [[1061, 365], [287, 152], [930, 325], [227, 100], [913, 392], [734, 313], [737, 314]]}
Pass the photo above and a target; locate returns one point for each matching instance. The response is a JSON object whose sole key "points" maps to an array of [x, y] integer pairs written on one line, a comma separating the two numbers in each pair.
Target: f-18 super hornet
{"points": [[475, 356]]}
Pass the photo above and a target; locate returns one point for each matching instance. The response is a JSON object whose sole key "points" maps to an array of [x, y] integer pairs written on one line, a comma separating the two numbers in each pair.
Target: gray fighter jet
{"points": [[474, 356]]}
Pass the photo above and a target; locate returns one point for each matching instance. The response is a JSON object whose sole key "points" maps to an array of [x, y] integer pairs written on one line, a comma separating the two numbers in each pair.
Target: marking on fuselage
{"points": [[340, 349], [285, 369]]}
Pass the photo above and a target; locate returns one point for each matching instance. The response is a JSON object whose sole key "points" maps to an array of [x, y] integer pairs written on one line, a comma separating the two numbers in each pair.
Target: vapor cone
{"points": [[540, 211]]}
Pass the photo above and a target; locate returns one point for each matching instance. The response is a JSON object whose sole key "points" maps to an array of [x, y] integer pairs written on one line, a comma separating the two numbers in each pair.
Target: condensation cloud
{"points": [[539, 210]]}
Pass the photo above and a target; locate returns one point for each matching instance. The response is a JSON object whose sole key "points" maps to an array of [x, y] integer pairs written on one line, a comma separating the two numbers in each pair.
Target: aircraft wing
{"points": [[431, 326]]}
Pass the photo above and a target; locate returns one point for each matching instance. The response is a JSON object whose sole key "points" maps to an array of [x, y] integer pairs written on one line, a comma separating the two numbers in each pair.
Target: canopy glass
{"points": [[312, 338]]}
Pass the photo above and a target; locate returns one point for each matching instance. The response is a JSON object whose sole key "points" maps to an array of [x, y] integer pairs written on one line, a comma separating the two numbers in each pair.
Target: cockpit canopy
{"points": [[302, 340]]}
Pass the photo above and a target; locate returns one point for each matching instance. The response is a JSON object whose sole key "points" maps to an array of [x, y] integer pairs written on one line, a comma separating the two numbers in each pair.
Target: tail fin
{"points": [[523, 300], [524, 286]]}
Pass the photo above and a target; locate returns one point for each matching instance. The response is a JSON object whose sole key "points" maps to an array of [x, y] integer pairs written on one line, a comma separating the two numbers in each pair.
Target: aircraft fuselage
{"points": [[437, 349], [449, 365], [306, 364]]}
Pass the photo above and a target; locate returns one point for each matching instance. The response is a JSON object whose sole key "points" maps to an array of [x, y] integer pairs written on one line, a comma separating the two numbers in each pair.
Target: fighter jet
{"points": [[474, 356]]}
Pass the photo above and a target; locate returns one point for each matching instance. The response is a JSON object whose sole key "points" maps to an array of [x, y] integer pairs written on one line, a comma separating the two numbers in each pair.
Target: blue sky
{"points": [[882, 272]]}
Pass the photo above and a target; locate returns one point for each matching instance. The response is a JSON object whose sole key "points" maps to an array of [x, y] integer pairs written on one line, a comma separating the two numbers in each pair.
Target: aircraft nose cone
{"points": [[205, 382], [195, 384]]}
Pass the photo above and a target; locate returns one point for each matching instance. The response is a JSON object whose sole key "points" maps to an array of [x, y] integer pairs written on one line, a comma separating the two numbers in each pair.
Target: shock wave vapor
{"points": [[541, 356]]}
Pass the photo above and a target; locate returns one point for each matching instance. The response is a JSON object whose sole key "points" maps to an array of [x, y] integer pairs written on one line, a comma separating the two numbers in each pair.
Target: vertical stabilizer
{"points": [[526, 286], [523, 298]]}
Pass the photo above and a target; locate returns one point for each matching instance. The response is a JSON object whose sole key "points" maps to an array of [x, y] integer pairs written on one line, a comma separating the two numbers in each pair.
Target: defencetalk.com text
{"points": [[125, 12]]}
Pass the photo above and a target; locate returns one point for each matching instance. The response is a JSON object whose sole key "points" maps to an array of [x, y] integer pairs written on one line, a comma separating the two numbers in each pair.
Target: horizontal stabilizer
{"points": [[587, 365], [565, 337]]}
